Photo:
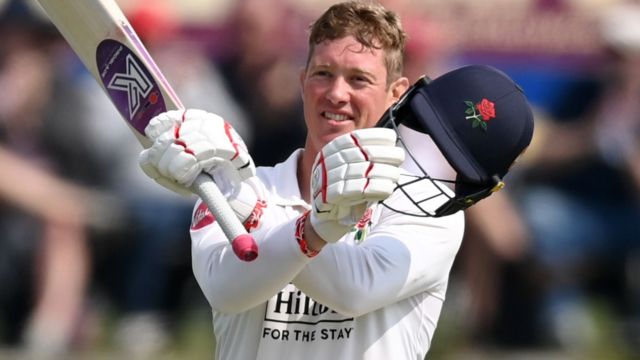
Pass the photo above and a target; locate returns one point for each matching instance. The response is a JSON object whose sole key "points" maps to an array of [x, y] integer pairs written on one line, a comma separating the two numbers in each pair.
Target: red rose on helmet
{"points": [[487, 109]]}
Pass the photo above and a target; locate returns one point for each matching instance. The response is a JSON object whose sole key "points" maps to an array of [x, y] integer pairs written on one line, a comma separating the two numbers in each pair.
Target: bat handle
{"points": [[243, 244]]}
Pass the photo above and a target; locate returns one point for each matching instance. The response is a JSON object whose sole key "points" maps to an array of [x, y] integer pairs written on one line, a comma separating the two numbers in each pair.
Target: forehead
{"points": [[347, 51]]}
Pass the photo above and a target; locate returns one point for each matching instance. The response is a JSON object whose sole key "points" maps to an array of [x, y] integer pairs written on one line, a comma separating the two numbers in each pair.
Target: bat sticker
{"points": [[129, 84], [134, 82]]}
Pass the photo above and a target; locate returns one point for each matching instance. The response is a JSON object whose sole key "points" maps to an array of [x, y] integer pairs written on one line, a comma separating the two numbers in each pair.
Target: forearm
{"points": [[354, 280], [386, 268], [231, 285], [40, 193]]}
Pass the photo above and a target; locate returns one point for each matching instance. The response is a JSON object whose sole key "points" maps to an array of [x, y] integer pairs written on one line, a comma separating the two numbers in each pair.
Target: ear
{"points": [[398, 87]]}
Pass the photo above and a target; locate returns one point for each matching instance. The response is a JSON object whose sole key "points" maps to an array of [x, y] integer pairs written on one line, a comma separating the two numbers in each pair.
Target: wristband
{"points": [[300, 236]]}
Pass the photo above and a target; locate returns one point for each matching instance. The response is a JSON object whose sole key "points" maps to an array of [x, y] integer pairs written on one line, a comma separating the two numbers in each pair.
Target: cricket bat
{"points": [[101, 36]]}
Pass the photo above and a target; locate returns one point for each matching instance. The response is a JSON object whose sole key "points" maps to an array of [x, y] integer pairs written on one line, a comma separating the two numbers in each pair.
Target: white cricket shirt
{"points": [[377, 298]]}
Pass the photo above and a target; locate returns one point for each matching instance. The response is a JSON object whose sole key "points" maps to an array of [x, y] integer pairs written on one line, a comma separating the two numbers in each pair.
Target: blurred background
{"points": [[95, 257]]}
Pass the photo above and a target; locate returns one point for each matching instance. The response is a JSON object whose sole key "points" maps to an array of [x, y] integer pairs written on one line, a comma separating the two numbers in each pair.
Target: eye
{"points": [[361, 80], [322, 73]]}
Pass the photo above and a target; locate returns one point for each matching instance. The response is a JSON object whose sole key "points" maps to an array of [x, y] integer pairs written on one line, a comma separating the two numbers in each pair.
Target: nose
{"points": [[338, 91]]}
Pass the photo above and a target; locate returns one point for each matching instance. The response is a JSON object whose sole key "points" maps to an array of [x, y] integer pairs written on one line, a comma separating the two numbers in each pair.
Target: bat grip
{"points": [[243, 244]]}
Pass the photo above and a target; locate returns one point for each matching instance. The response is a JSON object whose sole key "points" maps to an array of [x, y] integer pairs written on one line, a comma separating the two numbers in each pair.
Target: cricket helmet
{"points": [[480, 120]]}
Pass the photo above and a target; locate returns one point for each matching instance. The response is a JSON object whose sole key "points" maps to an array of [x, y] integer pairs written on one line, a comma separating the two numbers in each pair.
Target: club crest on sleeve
{"points": [[202, 217], [361, 228], [480, 113]]}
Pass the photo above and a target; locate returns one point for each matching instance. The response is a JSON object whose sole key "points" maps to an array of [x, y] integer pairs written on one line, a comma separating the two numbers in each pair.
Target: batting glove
{"points": [[350, 172], [188, 142]]}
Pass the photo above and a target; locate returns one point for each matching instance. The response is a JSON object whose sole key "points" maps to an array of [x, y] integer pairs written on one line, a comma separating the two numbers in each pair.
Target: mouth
{"points": [[336, 117]]}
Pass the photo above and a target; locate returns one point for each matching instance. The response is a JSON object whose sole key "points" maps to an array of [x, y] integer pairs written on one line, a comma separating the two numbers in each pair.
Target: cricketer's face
{"points": [[344, 88]]}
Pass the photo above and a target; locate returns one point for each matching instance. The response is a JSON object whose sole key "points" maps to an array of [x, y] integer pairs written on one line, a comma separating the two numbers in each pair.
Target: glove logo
{"points": [[480, 113]]}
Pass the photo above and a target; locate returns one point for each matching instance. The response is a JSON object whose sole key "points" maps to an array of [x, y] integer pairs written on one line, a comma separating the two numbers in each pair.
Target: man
{"points": [[348, 267]]}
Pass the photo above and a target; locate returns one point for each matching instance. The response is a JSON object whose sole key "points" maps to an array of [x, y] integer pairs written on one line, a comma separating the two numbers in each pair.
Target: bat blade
{"points": [[102, 37]]}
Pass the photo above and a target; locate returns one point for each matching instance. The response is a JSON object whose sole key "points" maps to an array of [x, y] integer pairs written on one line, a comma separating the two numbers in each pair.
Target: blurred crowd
{"points": [[551, 264]]}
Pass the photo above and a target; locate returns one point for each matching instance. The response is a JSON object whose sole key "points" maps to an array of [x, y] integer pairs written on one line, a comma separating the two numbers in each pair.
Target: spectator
{"points": [[144, 273], [581, 195], [47, 207], [261, 73]]}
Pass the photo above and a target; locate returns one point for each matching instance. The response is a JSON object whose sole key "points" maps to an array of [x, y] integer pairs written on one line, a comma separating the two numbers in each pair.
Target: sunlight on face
{"points": [[345, 88]]}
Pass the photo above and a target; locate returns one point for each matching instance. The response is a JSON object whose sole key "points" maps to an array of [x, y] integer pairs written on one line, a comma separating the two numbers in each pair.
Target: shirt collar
{"points": [[283, 182]]}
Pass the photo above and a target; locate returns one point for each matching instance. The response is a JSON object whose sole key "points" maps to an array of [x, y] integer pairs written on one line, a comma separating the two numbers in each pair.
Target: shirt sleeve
{"points": [[402, 256], [232, 285]]}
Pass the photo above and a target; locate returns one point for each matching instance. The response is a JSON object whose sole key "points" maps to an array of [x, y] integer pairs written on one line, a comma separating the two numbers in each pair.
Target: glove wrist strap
{"points": [[299, 235]]}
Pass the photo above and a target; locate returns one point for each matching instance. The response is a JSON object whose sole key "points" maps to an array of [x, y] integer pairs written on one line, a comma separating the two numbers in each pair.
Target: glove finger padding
{"points": [[345, 168], [352, 170], [172, 161], [151, 171], [362, 138], [388, 154], [368, 170], [163, 122], [188, 142], [212, 141], [354, 191]]}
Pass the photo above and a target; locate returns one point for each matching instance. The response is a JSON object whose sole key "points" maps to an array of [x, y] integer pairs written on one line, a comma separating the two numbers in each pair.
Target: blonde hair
{"points": [[371, 24]]}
